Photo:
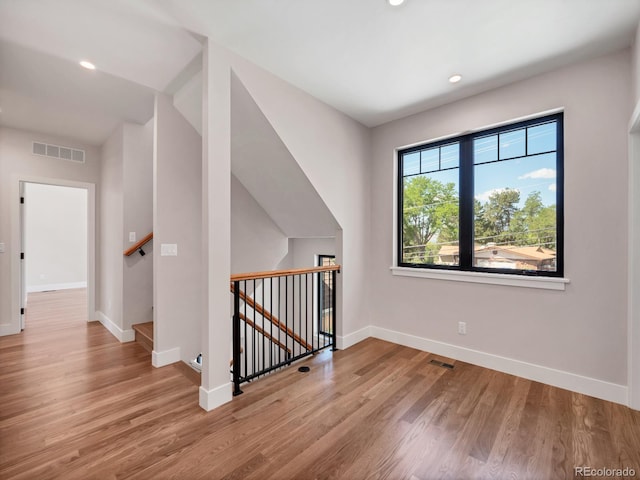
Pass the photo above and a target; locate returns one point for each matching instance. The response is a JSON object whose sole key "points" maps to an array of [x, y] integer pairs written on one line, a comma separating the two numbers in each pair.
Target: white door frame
{"points": [[16, 272], [23, 278], [633, 288]]}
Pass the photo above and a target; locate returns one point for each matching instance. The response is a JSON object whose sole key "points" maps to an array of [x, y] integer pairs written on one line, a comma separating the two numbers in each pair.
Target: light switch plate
{"points": [[169, 250], [132, 237]]}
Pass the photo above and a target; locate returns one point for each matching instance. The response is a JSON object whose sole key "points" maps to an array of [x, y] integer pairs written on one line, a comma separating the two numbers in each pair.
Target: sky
{"points": [[536, 172]]}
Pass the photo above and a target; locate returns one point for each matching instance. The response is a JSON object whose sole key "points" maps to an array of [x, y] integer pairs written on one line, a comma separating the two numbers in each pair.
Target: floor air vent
{"points": [[441, 364], [56, 151]]}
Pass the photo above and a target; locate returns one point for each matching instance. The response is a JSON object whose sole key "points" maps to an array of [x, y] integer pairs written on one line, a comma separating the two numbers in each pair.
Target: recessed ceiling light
{"points": [[88, 65], [395, 3], [455, 78]]}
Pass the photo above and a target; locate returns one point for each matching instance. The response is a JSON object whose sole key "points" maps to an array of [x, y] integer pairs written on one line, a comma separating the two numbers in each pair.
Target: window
{"points": [[489, 201]]}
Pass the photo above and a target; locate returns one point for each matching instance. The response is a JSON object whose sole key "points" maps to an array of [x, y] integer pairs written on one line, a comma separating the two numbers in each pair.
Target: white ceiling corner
{"points": [[371, 61]]}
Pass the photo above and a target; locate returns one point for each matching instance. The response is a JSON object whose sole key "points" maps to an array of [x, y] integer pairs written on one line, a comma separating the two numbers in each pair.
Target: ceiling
{"points": [[374, 62]]}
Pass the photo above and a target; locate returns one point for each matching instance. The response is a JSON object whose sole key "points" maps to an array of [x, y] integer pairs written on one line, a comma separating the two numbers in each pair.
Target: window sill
{"points": [[547, 283]]}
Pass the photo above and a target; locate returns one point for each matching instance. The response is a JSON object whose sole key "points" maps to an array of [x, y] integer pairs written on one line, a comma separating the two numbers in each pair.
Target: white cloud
{"points": [[484, 196], [541, 173], [552, 187]]}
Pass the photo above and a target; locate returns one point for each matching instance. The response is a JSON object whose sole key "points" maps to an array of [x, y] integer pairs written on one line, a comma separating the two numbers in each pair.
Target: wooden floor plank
{"points": [[77, 404]]}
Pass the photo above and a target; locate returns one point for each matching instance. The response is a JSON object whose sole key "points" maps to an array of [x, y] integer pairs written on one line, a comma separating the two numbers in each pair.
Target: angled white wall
{"points": [[264, 165], [577, 338], [188, 101]]}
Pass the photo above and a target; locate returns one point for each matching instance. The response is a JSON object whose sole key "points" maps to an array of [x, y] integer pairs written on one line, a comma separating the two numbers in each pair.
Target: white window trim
{"points": [[546, 283]]}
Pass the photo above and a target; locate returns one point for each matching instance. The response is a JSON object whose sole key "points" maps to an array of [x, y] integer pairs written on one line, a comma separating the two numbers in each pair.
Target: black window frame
{"points": [[466, 197]]}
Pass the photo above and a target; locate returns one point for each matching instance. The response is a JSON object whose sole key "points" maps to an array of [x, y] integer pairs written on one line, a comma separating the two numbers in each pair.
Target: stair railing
{"points": [[138, 246], [278, 318]]}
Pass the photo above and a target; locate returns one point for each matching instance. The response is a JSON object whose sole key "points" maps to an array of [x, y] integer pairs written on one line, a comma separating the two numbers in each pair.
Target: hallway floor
{"points": [[77, 404]]}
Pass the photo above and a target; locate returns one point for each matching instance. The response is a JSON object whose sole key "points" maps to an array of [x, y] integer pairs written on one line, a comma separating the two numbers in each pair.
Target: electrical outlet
{"points": [[462, 328]]}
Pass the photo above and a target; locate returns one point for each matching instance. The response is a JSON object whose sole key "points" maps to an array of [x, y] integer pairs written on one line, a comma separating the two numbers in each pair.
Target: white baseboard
{"points": [[165, 357], [55, 286], [352, 338], [210, 399], [9, 329], [557, 378], [122, 335]]}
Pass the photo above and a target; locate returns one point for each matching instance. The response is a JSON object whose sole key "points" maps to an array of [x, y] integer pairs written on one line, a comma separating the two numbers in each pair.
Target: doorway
{"points": [[56, 238]]}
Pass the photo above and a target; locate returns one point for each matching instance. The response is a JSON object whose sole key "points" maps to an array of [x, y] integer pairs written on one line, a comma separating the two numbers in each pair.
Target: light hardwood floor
{"points": [[76, 404]]}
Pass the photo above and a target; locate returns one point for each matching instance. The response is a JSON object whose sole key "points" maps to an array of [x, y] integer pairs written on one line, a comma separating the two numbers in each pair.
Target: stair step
{"points": [[144, 335]]}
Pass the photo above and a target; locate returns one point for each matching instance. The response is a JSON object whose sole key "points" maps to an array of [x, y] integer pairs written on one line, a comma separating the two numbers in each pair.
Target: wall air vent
{"points": [[56, 151]]}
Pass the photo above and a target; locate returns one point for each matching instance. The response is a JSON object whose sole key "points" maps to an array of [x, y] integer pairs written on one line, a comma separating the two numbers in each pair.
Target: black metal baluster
{"points": [[314, 313], [300, 309], [263, 326], [253, 335], [236, 338], [286, 313], [279, 317], [244, 284], [271, 322], [306, 311], [333, 311]]}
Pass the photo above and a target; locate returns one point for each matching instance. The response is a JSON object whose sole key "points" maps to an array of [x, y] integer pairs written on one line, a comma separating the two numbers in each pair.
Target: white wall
{"points": [[581, 331], [268, 170], [125, 284], [138, 218], [306, 251], [110, 263], [635, 63], [17, 162], [257, 243], [177, 166], [55, 237]]}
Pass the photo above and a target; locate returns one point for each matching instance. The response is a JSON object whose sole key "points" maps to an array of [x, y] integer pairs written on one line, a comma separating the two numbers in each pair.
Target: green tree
{"points": [[534, 224], [430, 211], [496, 215], [482, 228]]}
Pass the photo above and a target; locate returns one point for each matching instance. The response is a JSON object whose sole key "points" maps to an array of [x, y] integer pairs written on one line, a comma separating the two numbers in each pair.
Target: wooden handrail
{"points": [[272, 318], [282, 273], [266, 334], [138, 245]]}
